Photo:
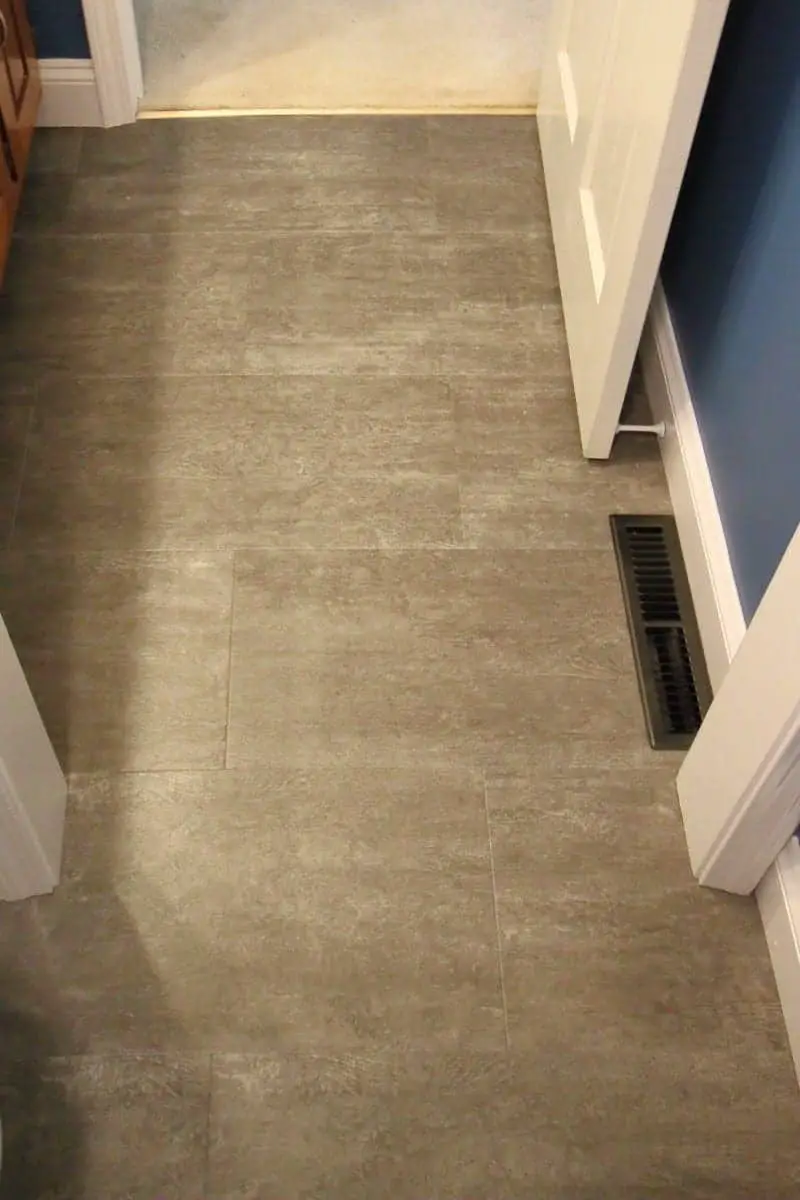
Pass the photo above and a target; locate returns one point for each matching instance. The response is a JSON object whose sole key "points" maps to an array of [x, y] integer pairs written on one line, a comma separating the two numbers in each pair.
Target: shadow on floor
{"points": [[72, 311], [43, 1128]]}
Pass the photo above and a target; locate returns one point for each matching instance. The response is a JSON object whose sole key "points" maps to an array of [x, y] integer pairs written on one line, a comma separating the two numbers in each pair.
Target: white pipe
{"points": [[658, 429]]}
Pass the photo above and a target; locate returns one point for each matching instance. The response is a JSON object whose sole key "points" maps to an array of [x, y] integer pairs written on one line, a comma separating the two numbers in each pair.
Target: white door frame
{"points": [[113, 41], [739, 786]]}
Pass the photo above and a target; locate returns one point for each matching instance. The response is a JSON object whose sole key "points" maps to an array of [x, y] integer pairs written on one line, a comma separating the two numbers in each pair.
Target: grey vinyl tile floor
{"points": [[372, 886]]}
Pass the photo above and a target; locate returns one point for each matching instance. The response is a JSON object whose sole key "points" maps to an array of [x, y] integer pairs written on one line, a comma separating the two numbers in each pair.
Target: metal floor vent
{"points": [[670, 665]]}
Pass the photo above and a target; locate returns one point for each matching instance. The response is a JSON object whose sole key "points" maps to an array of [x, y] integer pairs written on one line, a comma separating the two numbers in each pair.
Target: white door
{"points": [[622, 88], [739, 785], [33, 790]]}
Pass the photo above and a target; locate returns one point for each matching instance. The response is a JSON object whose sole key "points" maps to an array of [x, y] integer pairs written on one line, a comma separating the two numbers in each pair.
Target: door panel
{"points": [[585, 57], [622, 89]]}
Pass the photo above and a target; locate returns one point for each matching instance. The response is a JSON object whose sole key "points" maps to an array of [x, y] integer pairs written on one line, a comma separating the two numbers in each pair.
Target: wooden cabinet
{"points": [[20, 93]]}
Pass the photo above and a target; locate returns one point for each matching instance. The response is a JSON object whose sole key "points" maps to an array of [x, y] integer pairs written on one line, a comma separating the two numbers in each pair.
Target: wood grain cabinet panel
{"points": [[20, 95]]}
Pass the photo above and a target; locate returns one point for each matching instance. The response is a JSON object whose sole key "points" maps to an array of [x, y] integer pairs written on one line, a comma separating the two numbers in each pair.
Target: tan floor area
{"points": [[334, 54], [373, 887]]}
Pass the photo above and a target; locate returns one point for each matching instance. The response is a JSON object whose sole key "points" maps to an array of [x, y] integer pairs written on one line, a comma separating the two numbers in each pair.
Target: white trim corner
{"points": [[69, 94], [111, 28]]}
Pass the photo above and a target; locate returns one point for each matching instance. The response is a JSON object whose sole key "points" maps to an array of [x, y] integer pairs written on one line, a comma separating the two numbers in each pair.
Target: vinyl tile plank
{"points": [[454, 1126], [539, 608], [401, 346], [45, 203], [672, 1107], [16, 410], [372, 145], [105, 513], [342, 304], [343, 286], [111, 1128], [467, 142], [471, 338], [270, 200], [629, 958], [127, 656], [509, 425], [674, 1081], [404, 305], [595, 898], [705, 1166], [326, 909], [360, 1126], [486, 173], [487, 339], [503, 268], [523, 481], [144, 304], [56, 152], [292, 173], [553, 505], [397, 708], [194, 463], [238, 425], [136, 305]]}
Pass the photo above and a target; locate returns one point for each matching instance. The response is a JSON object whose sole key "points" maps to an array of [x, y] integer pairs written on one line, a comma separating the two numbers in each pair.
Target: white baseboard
{"points": [[719, 615], [778, 897], [705, 550], [69, 93]]}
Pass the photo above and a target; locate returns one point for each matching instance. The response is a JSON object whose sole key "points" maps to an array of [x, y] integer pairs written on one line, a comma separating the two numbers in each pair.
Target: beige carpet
{"points": [[340, 54]]}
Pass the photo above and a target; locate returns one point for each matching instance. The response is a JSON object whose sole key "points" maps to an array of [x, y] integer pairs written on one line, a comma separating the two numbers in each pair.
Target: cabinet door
{"points": [[9, 195], [21, 88]]}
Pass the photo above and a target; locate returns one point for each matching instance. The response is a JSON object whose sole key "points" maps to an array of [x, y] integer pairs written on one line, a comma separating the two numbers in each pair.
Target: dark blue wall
{"points": [[732, 275], [59, 28]]}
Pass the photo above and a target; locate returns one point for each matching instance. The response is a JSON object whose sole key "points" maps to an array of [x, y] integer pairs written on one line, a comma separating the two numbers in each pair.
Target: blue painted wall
{"points": [[59, 28], [732, 276]]}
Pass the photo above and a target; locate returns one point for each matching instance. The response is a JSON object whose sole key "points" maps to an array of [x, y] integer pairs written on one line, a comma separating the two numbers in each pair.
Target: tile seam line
{"points": [[495, 905], [11, 539], [229, 689], [208, 1128]]}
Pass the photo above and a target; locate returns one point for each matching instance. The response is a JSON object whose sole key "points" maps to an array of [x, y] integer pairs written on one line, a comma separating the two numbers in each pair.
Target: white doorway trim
{"points": [[111, 26], [722, 625], [739, 785]]}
